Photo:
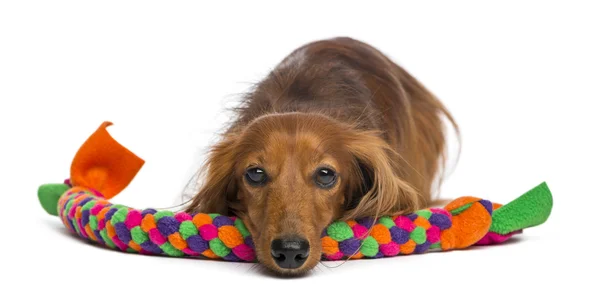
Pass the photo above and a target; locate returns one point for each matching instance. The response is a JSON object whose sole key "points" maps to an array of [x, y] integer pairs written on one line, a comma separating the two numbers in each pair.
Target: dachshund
{"points": [[335, 131]]}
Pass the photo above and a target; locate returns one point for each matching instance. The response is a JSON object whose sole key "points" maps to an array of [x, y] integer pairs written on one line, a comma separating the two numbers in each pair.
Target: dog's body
{"points": [[336, 130]]}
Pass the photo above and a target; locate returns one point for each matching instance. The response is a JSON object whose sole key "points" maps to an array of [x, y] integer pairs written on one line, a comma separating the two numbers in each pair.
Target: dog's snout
{"points": [[290, 253]]}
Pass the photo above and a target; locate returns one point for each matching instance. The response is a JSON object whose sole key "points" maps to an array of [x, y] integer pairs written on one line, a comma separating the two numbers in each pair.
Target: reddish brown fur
{"points": [[340, 103]]}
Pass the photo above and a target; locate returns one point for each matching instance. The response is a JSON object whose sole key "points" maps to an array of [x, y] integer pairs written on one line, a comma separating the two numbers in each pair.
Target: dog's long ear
{"points": [[361, 181], [219, 188], [376, 185]]}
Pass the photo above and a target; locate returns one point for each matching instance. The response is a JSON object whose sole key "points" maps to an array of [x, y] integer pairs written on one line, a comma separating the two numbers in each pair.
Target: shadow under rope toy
{"points": [[102, 168]]}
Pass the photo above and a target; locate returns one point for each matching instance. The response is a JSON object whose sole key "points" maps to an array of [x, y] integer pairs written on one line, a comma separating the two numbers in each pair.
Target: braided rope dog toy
{"points": [[102, 168]]}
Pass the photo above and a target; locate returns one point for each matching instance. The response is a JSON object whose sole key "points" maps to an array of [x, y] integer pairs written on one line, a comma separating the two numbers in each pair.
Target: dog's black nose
{"points": [[290, 253]]}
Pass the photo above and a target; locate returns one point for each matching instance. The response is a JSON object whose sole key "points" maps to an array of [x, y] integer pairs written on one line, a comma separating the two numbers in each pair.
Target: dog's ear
{"points": [[219, 188], [376, 185], [361, 181]]}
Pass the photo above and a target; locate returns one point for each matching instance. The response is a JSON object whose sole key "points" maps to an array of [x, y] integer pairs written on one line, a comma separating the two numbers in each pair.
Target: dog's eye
{"points": [[256, 176], [325, 177]]}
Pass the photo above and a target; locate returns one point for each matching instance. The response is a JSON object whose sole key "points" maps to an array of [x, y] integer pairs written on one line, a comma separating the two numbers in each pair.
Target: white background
{"points": [[522, 79]]}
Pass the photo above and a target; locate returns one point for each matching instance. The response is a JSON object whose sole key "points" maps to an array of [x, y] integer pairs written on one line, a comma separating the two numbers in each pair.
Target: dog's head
{"points": [[288, 176]]}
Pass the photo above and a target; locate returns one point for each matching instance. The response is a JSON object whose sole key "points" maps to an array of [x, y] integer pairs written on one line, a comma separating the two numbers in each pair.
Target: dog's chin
{"points": [[299, 272], [288, 272], [274, 269]]}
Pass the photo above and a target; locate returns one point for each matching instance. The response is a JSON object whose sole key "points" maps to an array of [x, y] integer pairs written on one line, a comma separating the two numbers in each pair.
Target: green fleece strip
{"points": [[530, 209], [49, 194]]}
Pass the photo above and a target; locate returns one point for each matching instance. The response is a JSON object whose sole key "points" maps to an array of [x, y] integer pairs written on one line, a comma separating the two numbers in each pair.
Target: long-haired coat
{"points": [[336, 131]]}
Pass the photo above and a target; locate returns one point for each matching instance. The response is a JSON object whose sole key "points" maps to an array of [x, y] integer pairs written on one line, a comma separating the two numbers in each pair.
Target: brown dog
{"points": [[336, 131]]}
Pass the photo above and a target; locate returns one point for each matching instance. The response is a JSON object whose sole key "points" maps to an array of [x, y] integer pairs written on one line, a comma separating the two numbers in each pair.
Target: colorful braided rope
{"points": [[388, 236], [102, 162], [87, 214], [149, 231]]}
